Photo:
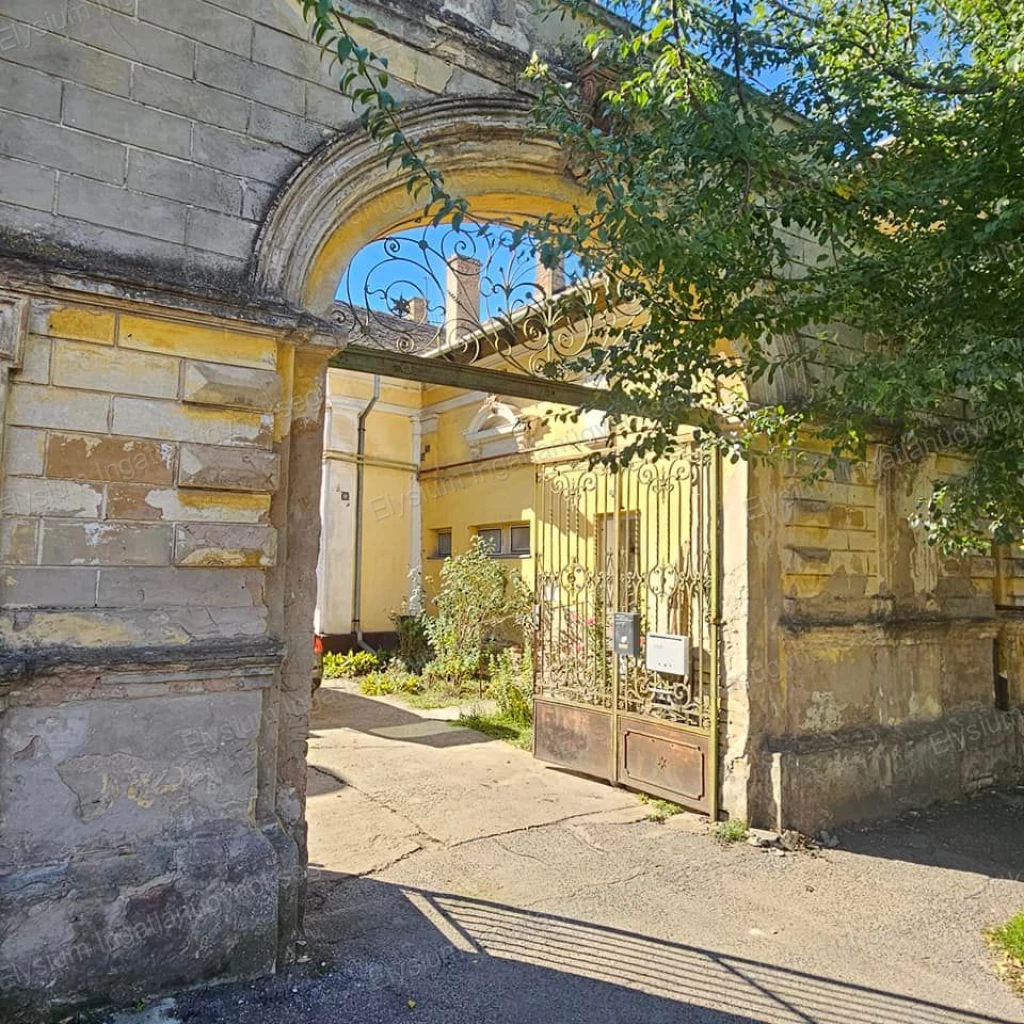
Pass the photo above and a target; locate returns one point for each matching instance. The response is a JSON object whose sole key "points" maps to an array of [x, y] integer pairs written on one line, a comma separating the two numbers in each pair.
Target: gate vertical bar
{"points": [[715, 541], [539, 644], [616, 591]]}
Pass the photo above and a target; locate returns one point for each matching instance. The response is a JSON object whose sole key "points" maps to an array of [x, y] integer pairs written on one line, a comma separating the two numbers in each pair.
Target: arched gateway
{"points": [[165, 327], [181, 189]]}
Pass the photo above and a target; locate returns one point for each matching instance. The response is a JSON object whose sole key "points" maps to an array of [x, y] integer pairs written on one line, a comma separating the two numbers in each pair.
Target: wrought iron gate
{"points": [[641, 539]]}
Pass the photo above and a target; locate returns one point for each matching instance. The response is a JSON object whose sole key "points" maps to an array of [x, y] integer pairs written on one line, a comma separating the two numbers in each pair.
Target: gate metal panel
{"points": [[638, 539]]}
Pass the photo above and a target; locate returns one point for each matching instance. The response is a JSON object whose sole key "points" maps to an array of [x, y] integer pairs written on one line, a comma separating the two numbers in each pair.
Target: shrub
{"points": [[512, 686], [452, 673], [349, 666], [480, 602], [396, 678], [413, 642]]}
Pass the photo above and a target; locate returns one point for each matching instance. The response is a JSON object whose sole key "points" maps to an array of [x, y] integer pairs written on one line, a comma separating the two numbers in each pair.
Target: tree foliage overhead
{"points": [[761, 172]]}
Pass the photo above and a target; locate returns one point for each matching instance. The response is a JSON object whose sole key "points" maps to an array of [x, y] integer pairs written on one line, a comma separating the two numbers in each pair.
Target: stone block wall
{"points": [[161, 412], [132, 855], [158, 132], [139, 459], [873, 667], [151, 822]]}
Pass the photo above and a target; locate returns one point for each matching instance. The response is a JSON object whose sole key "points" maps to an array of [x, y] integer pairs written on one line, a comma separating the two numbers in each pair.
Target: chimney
{"points": [[417, 310], [462, 305], [550, 280]]}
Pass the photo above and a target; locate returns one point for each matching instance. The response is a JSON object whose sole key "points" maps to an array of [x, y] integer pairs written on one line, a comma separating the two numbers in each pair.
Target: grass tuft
{"points": [[1008, 941], [500, 728], [660, 809], [734, 830], [427, 700]]}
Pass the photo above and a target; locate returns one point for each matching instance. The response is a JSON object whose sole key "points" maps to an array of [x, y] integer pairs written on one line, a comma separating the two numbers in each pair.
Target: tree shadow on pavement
{"points": [[336, 709], [982, 834]]}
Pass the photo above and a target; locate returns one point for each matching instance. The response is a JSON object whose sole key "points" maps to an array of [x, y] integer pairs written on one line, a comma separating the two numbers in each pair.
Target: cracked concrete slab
{"points": [[353, 830], [454, 785]]}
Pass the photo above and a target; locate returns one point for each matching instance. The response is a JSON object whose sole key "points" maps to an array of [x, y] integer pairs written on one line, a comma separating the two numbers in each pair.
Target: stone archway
{"points": [[166, 270], [345, 196]]}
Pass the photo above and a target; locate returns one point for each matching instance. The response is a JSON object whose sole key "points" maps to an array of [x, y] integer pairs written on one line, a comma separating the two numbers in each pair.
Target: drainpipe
{"points": [[357, 583]]}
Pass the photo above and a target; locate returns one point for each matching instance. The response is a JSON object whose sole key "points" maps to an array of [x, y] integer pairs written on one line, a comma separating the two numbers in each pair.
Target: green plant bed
{"points": [[1008, 941], [350, 666], [395, 679], [428, 699], [500, 728]]}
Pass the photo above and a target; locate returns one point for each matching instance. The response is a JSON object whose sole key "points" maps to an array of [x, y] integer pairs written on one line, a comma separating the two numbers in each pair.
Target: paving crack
{"points": [[531, 828], [416, 833]]}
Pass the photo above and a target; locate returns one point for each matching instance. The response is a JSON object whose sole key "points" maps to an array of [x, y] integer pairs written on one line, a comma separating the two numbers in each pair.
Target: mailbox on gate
{"points": [[626, 640], [668, 653]]}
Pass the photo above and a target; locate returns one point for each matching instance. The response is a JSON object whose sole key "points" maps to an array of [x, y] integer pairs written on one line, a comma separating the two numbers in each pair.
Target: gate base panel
{"points": [[574, 737], [653, 757], [666, 761]]}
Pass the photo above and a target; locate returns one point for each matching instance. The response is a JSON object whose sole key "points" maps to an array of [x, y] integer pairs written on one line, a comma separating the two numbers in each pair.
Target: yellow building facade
{"points": [[440, 466]]}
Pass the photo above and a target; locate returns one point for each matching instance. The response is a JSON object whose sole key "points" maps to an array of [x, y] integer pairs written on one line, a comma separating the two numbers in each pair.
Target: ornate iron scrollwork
{"points": [[656, 515], [476, 292]]}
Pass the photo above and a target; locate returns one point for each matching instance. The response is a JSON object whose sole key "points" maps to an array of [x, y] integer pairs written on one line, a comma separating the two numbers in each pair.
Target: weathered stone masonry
{"points": [[162, 424]]}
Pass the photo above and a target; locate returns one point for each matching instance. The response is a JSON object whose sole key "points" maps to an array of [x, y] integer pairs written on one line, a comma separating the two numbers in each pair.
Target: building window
{"points": [[511, 540], [519, 540], [442, 544], [492, 538]]}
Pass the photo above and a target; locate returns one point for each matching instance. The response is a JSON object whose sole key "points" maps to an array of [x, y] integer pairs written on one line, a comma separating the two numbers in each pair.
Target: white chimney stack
{"points": [[417, 310], [462, 305], [550, 280]]}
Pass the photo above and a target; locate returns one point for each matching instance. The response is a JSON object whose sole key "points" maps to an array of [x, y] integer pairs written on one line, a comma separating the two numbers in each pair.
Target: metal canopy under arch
{"points": [[472, 307]]}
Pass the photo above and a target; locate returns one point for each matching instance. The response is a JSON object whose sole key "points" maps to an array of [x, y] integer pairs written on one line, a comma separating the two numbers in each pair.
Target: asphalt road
{"points": [[490, 889]]}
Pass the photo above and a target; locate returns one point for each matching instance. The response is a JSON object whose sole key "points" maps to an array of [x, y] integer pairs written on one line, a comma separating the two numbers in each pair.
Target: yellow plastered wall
{"points": [[830, 528], [488, 494], [456, 489], [390, 508], [139, 467], [463, 492]]}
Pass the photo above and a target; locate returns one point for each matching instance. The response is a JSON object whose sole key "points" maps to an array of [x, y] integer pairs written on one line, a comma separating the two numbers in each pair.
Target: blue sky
{"points": [[413, 263]]}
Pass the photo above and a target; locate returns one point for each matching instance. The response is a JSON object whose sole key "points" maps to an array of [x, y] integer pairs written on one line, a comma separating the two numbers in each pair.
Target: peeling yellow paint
{"points": [[192, 505], [136, 797], [79, 628], [825, 714], [91, 629], [82, 324], [309, 382], [227, 559], [237, 501], [198, 342]]}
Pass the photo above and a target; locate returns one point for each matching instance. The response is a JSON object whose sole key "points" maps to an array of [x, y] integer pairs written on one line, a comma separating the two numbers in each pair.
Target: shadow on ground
{"points": [[412, 954], [983, 834], [337, 709]]}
